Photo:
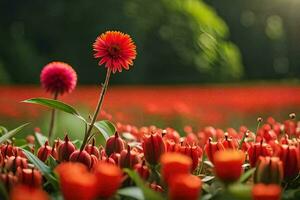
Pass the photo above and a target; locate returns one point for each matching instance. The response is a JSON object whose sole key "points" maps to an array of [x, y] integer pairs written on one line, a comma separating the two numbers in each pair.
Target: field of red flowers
{"points": [[195, 105]]}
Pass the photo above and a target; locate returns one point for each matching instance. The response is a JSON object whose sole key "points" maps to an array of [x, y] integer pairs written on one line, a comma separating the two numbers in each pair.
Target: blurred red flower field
{"points": [[140, 105]]}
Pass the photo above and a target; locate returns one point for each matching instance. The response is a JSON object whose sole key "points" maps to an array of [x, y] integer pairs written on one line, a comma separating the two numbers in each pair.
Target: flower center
{"points": [[114, 51]]}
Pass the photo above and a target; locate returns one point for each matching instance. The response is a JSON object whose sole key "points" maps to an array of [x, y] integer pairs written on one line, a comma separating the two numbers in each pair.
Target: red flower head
{"points": [[154, 147], [211, 148], [114, 144], [115, 49], [269, 170], [266, 192], [58, 77], [76, 182], [258, 149], [173, 164], [109, 179], [185, 186], [289, 155], [228, 164]]}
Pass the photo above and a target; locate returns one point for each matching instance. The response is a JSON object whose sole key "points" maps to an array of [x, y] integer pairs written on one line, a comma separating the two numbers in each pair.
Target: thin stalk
{"points": [[98, 108], [52, 120]]}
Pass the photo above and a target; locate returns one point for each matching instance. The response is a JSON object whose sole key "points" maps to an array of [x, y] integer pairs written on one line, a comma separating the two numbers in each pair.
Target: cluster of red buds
{"points": [[15, 168]]}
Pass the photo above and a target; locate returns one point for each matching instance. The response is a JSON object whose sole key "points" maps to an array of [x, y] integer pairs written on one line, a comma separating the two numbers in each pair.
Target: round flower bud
{"points": [[82, 157], [114, 144], [44, 152], [65, 149]]}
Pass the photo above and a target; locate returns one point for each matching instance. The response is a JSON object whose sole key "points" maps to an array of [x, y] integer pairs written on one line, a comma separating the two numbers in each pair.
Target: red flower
{"points": [[269, 170], [185, 186], [289, 155], [23, 192], [154, 147], [58, 77], [211, 148], [228, 164], [109, 179], [115, 49], [258, 149], [65, 149], [266, 192], [76, 182], [173, 164]]}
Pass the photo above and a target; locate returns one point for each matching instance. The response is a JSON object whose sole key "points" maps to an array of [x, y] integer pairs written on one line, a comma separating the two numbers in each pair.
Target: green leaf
{"points": [[246, 175], [45, 170], [41, 139], [240, 191], [50, 103], [106, 128], [3, 130], [132, 192], [11, 133], [148, 193]]}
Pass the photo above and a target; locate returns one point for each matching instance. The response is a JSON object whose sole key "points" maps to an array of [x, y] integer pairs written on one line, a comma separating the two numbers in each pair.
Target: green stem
{"points": [[98, 108], [52, 120]]}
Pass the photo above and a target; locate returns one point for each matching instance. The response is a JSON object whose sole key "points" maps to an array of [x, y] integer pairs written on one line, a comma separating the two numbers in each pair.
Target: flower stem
{"points": [[98, 108], [52, 120]]}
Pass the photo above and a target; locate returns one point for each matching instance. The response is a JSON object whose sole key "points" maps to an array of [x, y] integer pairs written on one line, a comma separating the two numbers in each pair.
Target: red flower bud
{"points": [[9, 180], [128, 158], [114, 144], [266, 192], [94, 161], [115, 157], [290, 127], [23, 192], [194, 152], [289, 155], [228, 164], [44, 152], [109, 179], [211, 148], [76, 182], [30, 177], [256, 150], [92, 149], [82, 157], [154, 147], [65, 149], [12, 163], [8, 150], [173, 164], [171, 134], [30, 139], [269, 170], [142, 170], [229, 143], [185, 186]]}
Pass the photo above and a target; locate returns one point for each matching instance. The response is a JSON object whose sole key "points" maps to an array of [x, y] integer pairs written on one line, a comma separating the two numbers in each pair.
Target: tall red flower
{"points": [[58, 77], [115, 49]]}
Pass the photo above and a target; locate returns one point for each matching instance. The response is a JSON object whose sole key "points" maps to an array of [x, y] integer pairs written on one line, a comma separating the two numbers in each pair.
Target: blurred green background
{"points": [[178, 41]]}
